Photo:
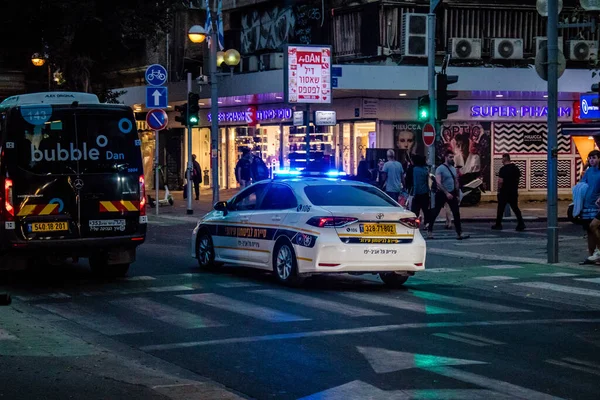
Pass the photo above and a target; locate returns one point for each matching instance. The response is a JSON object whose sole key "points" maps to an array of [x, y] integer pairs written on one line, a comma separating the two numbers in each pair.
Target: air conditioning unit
{"points": [[507, 49], [541, 41], [414, 35], [582, 50], [465, 48], [250, 64], [272, 61]]}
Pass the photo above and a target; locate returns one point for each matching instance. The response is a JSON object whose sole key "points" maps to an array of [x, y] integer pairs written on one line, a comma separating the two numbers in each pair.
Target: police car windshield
{"points": [[347, 195], [75, 141]]}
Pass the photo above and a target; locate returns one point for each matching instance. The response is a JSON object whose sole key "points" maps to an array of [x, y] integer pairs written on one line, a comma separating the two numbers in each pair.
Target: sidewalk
{"points": [[483, 212]]}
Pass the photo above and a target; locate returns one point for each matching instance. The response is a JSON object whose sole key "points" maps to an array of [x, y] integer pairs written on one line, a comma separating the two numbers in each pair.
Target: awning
{"points": [[570, 129]]}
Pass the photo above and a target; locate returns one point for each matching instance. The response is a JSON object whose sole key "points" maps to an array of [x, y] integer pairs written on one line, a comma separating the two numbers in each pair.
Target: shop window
{"points": [[321, 146]]}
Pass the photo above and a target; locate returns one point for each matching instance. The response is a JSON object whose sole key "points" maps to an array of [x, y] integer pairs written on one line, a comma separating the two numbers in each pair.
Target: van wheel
{"points": [[101, 268], [392, 279], [285, 264]]}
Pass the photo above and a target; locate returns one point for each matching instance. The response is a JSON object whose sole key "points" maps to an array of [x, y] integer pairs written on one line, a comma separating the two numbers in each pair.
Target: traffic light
{"points": [[423, 108], [443, 95], [596, 90], [193, 99], [182, 118]]}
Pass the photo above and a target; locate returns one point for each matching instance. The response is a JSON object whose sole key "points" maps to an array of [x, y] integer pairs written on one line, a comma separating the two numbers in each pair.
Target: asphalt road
{"points": [[487, 320]]}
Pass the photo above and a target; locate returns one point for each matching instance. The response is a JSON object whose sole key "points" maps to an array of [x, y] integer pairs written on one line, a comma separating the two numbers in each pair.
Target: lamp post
{"points": [[39, 60]]}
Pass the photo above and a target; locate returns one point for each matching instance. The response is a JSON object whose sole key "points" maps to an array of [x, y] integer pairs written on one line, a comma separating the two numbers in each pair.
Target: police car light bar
{"points": [[304, 173]]}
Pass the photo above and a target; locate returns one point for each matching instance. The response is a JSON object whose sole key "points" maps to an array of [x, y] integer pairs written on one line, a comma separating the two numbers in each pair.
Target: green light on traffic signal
{"points": [[193, 120], [424, 114], [423, 108]]}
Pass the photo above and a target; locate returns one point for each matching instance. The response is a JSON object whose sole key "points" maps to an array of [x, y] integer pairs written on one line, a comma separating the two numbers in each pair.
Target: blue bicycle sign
{"points": [[156, 75]]}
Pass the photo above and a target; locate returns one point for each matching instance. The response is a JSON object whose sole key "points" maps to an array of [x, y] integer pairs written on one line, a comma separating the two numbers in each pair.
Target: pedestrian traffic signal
{"points": [[423, 109], [596, 90], [443, 95], [182, 118], [193, 99]]}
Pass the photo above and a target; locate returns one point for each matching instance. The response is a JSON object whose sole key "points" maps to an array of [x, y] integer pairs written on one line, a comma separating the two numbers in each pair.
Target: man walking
{"points": [[393, 176], [508, 193], [448, 192], [243, 169], [196, 176], [420, 188]]}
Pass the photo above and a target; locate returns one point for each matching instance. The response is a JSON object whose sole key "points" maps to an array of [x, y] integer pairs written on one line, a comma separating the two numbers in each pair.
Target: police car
{"points": [[300, 225]]}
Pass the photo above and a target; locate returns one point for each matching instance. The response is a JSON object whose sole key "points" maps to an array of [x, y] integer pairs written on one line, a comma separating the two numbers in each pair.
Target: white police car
{"points": [[300, 226]]}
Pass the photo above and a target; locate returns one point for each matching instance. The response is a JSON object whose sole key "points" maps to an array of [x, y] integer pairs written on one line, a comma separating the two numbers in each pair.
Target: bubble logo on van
{"points": [[72, 153], [37, 114]]}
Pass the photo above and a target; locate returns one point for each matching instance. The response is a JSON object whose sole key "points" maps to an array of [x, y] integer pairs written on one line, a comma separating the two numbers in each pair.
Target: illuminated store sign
{"points": [[478, 111], [261, 115]]}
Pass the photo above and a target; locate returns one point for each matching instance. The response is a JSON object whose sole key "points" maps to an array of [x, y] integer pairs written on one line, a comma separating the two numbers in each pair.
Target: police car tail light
{"points": [[9, 210], [330, 222], [411, 222], [142, 195]]}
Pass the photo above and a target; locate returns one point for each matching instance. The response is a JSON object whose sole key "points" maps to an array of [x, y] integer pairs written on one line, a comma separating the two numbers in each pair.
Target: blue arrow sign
{"points": [[156, 75], [588, 111], [157, 97], [157, 119]]}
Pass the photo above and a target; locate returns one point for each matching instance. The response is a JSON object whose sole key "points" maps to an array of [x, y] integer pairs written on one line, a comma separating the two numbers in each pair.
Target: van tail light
{"points": [[142, 195], [9, 210], [411, 222], [331, 222]]}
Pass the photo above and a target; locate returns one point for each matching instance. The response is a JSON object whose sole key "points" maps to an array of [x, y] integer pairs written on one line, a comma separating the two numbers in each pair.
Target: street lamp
{"points": [[39, 60], [197, 34], [232, 57]]}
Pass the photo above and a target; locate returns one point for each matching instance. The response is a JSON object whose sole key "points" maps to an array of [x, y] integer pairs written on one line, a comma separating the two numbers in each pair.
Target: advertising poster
{"points": [[471, 144], [408, 140], [308, 74]]}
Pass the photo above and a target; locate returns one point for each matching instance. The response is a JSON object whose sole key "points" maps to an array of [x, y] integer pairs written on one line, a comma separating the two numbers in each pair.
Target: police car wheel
{"points": [[285, 265], [205, 251], [392, 279]]}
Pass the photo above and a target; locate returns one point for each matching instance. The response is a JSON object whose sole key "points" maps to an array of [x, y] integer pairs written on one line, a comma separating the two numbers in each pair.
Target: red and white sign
{"points": [[308, 74], [428, 134], [251, 116]]}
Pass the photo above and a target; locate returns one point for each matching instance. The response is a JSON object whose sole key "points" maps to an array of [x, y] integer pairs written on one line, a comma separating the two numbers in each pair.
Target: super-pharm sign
{"points": [[308, 74]]}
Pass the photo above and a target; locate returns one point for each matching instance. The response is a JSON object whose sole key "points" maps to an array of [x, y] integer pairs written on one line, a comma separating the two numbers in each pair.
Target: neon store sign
{"points": [[261, 115], [480, 111]]}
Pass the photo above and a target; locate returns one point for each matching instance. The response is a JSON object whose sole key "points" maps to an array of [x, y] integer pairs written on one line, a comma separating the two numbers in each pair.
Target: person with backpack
{"points": [[243, 168], [448, 191], [259, 169]]}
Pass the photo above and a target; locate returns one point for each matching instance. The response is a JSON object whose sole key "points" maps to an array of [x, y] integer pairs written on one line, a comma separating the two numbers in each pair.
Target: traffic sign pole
{"points": [[431, 83], [156, 158]]}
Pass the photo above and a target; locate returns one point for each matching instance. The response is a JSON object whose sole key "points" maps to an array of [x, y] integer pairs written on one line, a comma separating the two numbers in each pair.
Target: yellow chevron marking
{"points": [[128, 205], [49, 209], [109, 206], [26, 210]]}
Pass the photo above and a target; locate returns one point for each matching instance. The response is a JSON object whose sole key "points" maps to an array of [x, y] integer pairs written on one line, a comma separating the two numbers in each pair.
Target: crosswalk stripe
{"points": [[458, 339], [574, 366], [314, 302], [243, 308], [106, 324], [494, 278], [164, 313], [476, 337], [503, 266], [399, 304], [560, 288], [139, 290], [438, 270], [238, 284], [557, 274], [138, 278], [466, 302], [6, 335], [590, 280]]}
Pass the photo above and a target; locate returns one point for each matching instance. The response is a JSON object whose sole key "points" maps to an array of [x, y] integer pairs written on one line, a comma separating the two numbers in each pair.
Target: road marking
{"points": [[458, 339], [138, 278], [167, 314], [494, 278], [238, 284], [591, 280], [399, 303], [490, 257], [106, 324], [139, 290], [176, 288], [6, 335], [465, 302], [560, 288], [577, 365], [243, 308], [476, 337], [362, 330], [322, 304], [438, 270], [557, 274], [502, 266]]}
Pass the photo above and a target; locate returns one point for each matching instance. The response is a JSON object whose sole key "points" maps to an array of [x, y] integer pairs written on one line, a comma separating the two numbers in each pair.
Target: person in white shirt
{"points": [[393, 176]]}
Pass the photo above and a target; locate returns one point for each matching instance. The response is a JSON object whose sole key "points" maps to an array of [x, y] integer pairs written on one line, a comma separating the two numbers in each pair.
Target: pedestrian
{"points": [[363, 173], [420, 187], [591, 204], [196, 176], [508, 192], [393, 176], [447, 192], [243, 168]]}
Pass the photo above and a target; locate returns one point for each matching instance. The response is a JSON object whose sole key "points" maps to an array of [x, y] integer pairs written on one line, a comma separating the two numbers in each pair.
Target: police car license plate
{"points": [[49, 227], [378, 229]]}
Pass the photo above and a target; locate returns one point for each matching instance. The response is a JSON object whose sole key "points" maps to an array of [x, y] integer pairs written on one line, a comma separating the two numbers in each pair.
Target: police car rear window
{"points": [[76, 141], [347, 195]]}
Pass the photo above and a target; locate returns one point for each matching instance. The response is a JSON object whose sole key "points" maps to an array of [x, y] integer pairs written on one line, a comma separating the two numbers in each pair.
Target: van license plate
{"points": [[378, 229], [49, 227]]}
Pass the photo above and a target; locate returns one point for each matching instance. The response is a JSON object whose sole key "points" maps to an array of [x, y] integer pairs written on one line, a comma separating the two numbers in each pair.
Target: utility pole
{"points": [[552, 229], [214, 110], [190, 165], [431, 85]]}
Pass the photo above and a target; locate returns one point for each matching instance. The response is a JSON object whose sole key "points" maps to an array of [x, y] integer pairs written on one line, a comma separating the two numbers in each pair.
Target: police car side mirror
{"points": [[221, 206]]}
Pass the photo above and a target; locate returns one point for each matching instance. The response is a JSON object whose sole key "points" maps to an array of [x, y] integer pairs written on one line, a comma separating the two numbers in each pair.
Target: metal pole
{"points": [[214, 111], [156, 167], [190, 164], [552, 131], [307, 123], [431, 89], [49, 78]]}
